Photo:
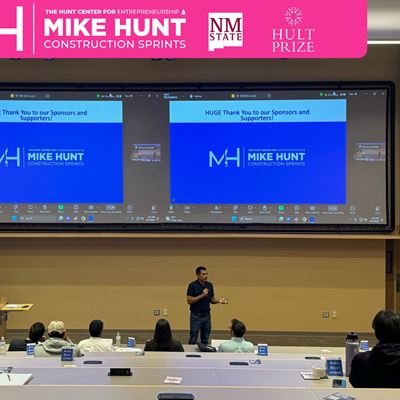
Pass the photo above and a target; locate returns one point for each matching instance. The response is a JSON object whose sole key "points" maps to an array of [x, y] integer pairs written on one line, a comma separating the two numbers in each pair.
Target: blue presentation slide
{"points": [[258, 152], [61, 152]]}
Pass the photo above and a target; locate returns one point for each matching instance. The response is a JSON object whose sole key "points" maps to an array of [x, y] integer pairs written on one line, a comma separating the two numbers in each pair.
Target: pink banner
{"points": [[183, 29]]}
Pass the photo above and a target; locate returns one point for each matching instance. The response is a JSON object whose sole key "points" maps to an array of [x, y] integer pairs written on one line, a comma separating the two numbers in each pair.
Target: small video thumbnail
{"points": [[370, 152], [146, 152]]}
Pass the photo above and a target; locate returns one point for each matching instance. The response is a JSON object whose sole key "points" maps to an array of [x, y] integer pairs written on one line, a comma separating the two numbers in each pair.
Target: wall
{"points": [[272, 284]]}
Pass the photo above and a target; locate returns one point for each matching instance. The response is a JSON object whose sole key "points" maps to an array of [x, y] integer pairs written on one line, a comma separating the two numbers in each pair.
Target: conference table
{"points": [[206, 375], [205, 393]]}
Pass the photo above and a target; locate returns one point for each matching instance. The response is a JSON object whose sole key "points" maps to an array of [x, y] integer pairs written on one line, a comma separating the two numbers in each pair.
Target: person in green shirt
{"points": [[237, 344]]}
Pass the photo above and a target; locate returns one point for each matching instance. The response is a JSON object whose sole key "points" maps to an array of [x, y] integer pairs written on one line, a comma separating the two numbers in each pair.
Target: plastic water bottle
{"points": [[2, 346], [352, 348], [118, 340]]}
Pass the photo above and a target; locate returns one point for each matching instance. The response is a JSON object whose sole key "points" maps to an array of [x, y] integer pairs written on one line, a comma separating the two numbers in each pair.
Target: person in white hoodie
{"points": [[95, 342], [57, 340]]}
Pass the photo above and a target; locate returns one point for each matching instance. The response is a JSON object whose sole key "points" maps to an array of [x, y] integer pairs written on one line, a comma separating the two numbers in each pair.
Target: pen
{"points": [[8, 376]]}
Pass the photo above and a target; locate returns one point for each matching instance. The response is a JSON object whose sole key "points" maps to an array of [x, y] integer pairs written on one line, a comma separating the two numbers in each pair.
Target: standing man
{"points": [[200, 294]]}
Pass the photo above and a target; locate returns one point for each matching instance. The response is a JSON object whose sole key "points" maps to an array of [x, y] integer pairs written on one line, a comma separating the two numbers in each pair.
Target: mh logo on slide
{"points": [[5, 158], [18, 31], [213, 159]]}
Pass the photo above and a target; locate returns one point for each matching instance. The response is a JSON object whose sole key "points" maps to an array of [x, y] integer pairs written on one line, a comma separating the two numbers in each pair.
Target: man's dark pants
{"points": [[202, 323]]}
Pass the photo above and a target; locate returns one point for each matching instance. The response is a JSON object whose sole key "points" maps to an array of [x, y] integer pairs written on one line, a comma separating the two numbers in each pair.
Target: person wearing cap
{"points": [[57, 340], [237, 344]]}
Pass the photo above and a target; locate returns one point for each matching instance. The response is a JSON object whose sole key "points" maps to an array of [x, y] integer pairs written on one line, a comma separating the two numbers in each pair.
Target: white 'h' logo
{"points": [[18, 31], [224, 158], [6, 158]]}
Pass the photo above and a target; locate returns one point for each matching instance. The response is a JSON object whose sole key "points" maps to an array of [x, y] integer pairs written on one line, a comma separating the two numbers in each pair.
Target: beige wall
{"points": [[272, 284]]}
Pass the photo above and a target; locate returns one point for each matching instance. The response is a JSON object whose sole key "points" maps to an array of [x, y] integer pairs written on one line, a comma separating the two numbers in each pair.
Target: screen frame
{"points": [[227, 228]]}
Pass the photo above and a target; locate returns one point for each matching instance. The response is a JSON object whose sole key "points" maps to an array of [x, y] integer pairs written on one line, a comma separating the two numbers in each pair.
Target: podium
{"points": [[5, 309]]}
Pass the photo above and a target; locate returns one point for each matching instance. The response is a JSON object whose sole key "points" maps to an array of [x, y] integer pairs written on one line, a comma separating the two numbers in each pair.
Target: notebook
{"points": [[14, 379]]}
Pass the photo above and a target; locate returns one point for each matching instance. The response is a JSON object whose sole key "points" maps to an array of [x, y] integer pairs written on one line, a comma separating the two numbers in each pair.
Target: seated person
{"points": [[36, 333], [380, 367], [163, 339], [95, 342], [237, 344], [57, 340]]}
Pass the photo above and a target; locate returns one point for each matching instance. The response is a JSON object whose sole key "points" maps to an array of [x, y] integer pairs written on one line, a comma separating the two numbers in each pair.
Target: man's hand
{"points": [[205, 292], [223, 301]]}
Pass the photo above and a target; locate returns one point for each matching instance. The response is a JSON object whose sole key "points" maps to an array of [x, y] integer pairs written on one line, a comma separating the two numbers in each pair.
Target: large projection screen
{"points": [[227, 157]]}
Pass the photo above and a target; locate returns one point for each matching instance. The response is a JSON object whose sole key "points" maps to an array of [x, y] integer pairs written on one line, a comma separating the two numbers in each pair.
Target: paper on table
{"points": [[173, 379], [339, 396], [309, 376], [14, 305], [129, 350], [14, 379], [17, 307]]}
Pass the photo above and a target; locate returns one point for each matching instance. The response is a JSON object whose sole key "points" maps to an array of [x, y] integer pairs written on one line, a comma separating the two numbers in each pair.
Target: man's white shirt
{"points": [[94, 344]]}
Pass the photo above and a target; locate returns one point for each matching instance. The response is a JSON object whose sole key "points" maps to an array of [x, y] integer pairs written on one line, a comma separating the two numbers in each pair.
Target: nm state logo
{"points": [[225, 30], [17, 31]]}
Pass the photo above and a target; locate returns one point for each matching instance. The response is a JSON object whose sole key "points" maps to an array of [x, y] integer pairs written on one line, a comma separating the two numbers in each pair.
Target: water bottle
{"points": [[352, 348], [118, 340], [2, 346]]}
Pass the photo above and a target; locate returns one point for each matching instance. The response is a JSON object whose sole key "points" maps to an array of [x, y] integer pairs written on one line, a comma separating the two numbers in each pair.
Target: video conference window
{"points": [[259, 152], [295, 158]]}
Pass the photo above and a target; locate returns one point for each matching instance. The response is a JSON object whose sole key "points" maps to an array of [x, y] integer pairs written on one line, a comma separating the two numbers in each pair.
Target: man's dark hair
{"points": [[36, 332], [386, 325], [96, 328], [162, 335], [238, 328], [199, 269]]}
